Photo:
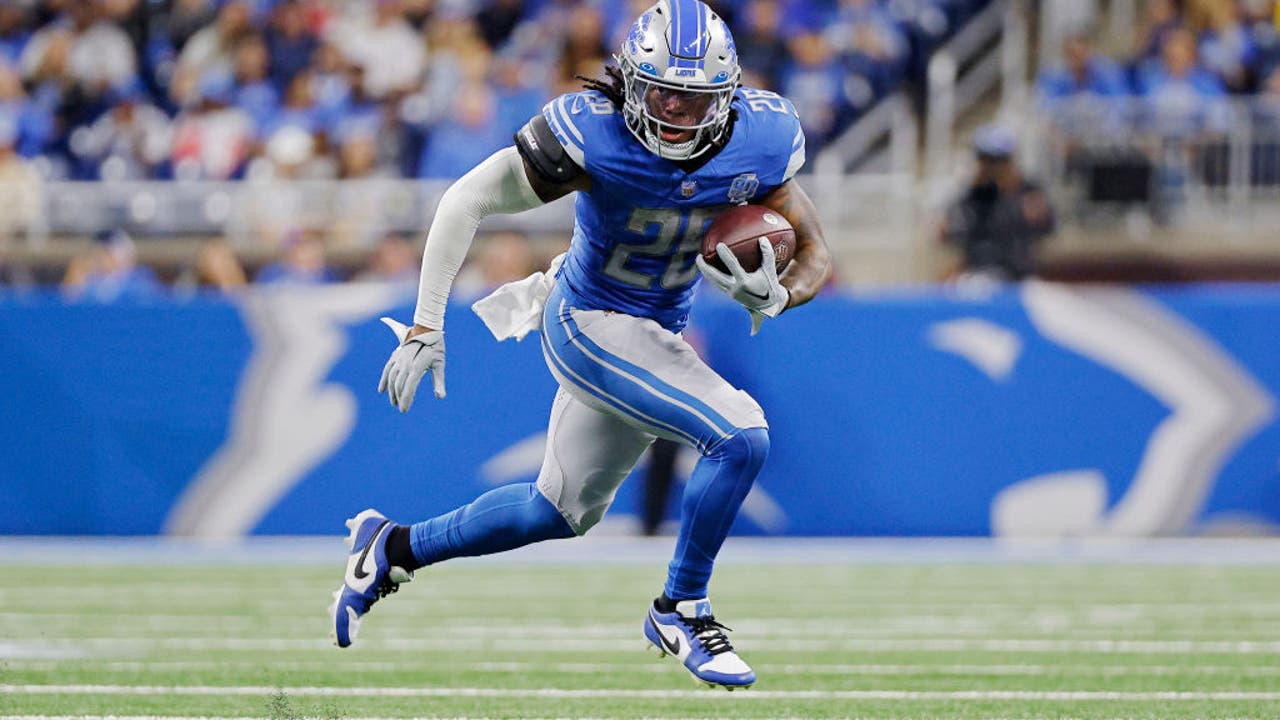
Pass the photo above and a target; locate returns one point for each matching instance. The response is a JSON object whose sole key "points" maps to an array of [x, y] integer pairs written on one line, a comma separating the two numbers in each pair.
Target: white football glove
{"points": [[759, 291], [409, 362]]}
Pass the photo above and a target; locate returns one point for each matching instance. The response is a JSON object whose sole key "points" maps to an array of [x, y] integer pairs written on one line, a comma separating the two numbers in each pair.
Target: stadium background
{"points": [[207, 205]]}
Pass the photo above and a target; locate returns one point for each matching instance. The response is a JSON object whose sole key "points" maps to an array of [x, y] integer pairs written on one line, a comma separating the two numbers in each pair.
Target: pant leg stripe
{"points": [[631, 373], [610, 399]]}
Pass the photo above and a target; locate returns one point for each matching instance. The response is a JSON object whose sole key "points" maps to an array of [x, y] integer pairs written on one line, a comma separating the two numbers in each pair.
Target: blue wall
{"points": [[1041, 410]]}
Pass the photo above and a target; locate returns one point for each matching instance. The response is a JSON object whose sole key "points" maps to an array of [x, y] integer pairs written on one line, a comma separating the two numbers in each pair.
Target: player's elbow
{"points": [[460, 198], [813, 251], [819, 268], [826, 270]]}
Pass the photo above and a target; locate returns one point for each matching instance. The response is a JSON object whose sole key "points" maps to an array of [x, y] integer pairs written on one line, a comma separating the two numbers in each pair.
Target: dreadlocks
{"points": [[610, 86]]}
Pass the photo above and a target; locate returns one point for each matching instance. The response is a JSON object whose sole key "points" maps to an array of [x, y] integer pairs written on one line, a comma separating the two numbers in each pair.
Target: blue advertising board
{"points": [[1041, 409]]}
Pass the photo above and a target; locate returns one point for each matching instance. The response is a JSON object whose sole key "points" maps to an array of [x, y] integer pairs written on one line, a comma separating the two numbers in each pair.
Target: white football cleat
{"points": [[369, 577], [692, 634]]}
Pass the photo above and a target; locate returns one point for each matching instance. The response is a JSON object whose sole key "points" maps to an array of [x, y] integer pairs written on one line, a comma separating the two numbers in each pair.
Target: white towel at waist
{"points": [[515, 309]]}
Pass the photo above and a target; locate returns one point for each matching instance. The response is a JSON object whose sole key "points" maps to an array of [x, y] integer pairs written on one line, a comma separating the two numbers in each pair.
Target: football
{"points": [[740, 228]]}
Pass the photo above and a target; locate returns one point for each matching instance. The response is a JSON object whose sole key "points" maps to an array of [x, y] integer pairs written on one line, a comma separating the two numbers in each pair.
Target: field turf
{"points": [[828, 638]]}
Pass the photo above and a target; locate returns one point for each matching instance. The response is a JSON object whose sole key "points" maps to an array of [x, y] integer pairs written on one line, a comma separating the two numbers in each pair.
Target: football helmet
{"points": [[679, 70]]}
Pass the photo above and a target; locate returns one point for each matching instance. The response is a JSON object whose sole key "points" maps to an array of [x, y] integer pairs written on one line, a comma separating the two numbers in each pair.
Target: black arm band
{"points": [[539, 147]]}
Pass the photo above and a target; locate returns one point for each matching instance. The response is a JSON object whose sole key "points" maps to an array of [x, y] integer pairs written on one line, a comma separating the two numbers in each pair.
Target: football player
{"points": [[655, 150]]}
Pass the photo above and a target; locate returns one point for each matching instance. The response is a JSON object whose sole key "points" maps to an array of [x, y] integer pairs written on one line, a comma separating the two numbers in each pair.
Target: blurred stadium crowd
{"points": [[383, 90], [1188, 58], [1190, 110], [221, 89], [272, 91]]}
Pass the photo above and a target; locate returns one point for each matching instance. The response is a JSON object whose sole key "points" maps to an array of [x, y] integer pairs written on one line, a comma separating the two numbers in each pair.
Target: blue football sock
{"points": [[715, 491], [504, 518]]}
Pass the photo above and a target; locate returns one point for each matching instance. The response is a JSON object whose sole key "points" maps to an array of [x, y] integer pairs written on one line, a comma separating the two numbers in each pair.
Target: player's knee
{"points": [[571, 515], [588, 519], [746, 449], [544, 520]]}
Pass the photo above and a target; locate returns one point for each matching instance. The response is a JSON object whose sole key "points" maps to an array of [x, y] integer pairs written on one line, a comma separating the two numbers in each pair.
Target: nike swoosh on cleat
{"points": [[359, 571], [673, 648]]}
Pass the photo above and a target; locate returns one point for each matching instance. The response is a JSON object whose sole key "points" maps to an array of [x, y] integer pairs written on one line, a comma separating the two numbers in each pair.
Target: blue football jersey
{"points": [[637, 231]]}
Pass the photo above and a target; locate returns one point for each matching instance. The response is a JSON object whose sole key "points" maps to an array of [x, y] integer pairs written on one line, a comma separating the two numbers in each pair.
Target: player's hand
{"points": [[759, 292], [409, 362]]}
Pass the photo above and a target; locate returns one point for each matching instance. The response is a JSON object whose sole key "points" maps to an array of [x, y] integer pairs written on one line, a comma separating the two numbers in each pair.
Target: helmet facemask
{"points": [[675, 120]]}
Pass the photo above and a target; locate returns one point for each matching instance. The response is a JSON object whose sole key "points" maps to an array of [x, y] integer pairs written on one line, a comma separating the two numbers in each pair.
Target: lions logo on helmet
{"points": [[679, 69]]}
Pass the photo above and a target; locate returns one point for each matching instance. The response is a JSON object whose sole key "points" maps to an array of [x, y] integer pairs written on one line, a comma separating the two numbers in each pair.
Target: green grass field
{"points": [[866, 640]]}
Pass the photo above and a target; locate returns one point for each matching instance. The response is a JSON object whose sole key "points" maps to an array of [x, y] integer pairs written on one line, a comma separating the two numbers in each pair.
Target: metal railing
{"points": [[893, 119], [991, 50], [1214, 161], [351, 213], [863, 215]]}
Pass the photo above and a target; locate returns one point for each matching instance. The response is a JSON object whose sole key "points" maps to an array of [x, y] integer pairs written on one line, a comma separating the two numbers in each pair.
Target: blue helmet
{"points": [[679, 70]]}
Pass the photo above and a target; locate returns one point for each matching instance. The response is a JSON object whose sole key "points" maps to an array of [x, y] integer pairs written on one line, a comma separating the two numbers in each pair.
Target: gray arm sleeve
{"points": [[497, 186]]}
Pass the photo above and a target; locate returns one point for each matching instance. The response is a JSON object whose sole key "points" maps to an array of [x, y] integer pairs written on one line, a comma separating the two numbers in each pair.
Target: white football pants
{"points": [[624, 380]]}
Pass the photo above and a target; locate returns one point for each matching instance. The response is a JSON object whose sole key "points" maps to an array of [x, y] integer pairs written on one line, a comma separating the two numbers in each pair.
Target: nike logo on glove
{"points": [[755, 295], [359, 572]]}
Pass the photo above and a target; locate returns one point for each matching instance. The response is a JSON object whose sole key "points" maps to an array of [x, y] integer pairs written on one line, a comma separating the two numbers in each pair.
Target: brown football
{"points": [[741, 227]]}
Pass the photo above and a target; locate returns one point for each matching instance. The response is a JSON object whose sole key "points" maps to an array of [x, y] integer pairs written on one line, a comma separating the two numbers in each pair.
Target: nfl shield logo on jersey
{"points": [[743, 187], [688, 188]]}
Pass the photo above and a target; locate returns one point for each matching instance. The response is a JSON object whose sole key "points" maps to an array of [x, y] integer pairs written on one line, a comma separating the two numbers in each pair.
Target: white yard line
{"points": [[558, 693], [852, 613], [214, 585], [241, 611], [463, 717], [875, 607], [585, 639], [373, 718], [480, 717], [476, 717], [344, 718], [891, 670], [57, 647], [870, 623], [1138, 670]]}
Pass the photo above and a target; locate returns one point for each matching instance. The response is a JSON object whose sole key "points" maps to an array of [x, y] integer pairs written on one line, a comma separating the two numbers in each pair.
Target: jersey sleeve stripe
{"points": [[561, 136], [574, 150], [795, 163], [567, 120], [796, 160]]}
